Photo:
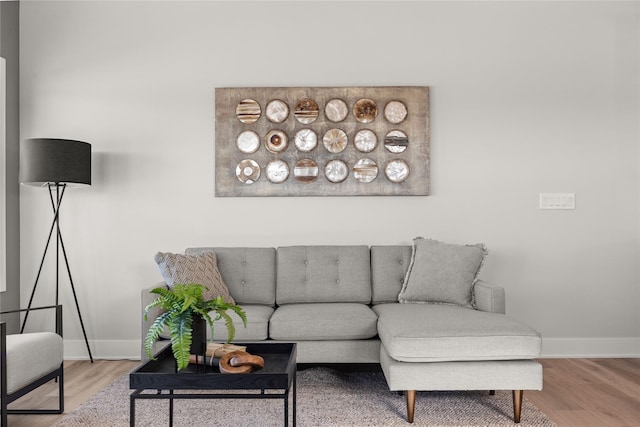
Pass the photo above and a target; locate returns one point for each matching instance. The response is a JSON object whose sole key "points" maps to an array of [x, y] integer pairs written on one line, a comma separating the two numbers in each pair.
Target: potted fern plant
{"points": [[182, 305]]}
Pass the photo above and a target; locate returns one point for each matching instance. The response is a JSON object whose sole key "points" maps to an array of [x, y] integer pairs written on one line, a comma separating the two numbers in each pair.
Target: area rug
{"points": [[325, 397]]}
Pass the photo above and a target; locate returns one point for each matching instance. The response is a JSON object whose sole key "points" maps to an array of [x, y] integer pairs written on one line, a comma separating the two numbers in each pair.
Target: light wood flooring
{"points": [[590, 392], [577, 392]]}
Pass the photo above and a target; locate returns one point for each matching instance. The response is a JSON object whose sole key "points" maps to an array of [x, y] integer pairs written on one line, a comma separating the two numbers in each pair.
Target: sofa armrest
{"points": [[146, 298], [489, 297]]}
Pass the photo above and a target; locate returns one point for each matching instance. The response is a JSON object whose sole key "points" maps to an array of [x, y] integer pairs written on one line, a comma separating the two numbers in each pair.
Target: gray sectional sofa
{"points": [[340, 305]]}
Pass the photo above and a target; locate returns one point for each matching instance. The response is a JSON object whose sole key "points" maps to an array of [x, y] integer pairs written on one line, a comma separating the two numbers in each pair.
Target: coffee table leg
{"points": [[132, 411], [294, 399], [171, 408], [286, 409]]}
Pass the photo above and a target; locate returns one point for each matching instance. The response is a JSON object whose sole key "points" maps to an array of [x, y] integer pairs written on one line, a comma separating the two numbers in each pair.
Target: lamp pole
{"points": [[59, 245]]}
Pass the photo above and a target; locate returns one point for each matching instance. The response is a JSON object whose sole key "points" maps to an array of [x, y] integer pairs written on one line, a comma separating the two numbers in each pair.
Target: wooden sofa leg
{"points": [[517, 405], [411, 404]]}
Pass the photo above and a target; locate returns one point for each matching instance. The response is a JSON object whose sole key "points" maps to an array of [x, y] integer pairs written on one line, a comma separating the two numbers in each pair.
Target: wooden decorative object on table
{"points": [[215, 351], [240, 362]]}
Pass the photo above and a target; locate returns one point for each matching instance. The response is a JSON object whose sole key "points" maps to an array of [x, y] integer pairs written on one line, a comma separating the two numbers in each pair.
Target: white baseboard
{"points": [[551, 347], [591, 347], [102, 349]]}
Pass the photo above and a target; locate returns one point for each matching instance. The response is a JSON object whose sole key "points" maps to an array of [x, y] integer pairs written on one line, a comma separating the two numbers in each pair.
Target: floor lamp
{"points": [[56, 164]]}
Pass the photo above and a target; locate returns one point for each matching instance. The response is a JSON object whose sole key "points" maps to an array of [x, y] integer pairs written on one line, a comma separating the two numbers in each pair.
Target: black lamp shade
{"points": [[45, 161]]}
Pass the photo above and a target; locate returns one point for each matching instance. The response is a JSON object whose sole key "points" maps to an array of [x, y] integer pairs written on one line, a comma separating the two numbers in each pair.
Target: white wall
{"points": [[525, 98]]}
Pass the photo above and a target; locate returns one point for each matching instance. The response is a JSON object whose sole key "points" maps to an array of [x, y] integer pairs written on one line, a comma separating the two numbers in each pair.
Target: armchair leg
{"points": [[411, 404], [517, 405], [61, 390]]}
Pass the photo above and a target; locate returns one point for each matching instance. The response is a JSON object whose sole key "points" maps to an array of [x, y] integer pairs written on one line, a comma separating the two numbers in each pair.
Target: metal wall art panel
{"points": [[323, 141]]}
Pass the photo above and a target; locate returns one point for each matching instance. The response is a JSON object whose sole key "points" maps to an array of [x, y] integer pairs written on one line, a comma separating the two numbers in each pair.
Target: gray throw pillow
{"points": [[201, 269], [442, 273]]}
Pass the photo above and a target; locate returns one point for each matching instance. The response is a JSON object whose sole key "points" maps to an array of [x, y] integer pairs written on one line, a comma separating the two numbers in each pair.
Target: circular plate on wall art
{"points": [[395, 112], [335, 140], [248, 111], [305, 170], [365, 110], [276, 141], [305, 140], [248, 142], [396, 170], [277, 111], [396, 141], [277, 171], [365, 170], [306, 111], [336, 110], [336, 171], [365, 140], [248, 171]]}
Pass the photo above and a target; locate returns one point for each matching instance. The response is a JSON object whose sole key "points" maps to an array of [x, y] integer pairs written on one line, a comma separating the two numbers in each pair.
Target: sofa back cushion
{"points": [[250, 273], [323, 274], [388, 268]]}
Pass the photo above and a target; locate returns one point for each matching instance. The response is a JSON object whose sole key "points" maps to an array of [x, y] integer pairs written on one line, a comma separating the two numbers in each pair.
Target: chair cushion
{"points": [[30, 356], [441, 272], [257, 324], [437, 332], [202, 269], [323, 321]]}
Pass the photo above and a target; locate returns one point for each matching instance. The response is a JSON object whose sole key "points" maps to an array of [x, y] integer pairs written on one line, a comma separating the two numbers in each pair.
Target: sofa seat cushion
{"points": [[323, 321], [257, 324], [436, 332]]}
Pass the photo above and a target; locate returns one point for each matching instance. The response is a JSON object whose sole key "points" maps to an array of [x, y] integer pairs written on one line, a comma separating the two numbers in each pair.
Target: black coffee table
{"points": [[279, 373]]}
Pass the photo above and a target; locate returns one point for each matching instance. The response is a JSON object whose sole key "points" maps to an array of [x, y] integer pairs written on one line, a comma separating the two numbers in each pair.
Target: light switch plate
{"points": [[557, 200]]}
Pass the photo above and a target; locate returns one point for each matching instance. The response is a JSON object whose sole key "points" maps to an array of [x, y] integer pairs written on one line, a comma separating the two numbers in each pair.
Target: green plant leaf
{"points": [[209, 320], [180, 327], [154, 333], [240, 312], [228, 322]]}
